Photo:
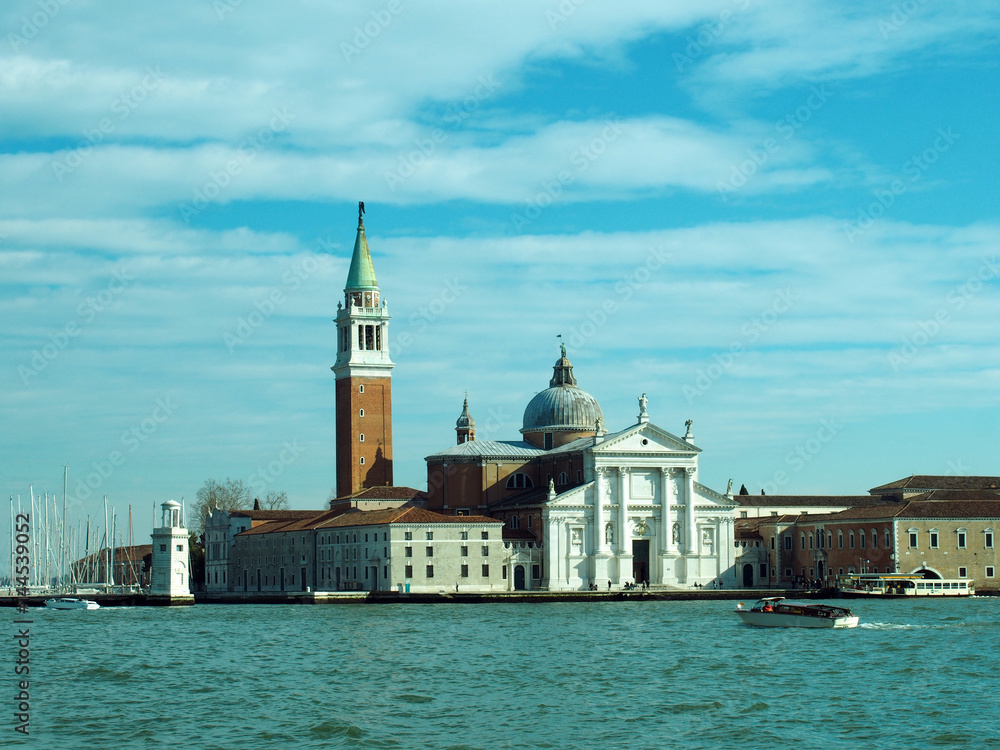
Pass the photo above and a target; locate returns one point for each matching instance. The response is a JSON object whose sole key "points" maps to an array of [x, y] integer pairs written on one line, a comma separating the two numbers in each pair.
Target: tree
{"points": [[275, 501], [232, 494]]}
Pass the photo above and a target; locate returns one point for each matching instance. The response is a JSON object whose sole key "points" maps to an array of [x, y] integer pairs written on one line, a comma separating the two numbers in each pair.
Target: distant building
{"points": [[394, 549], [129, 567], [585, 508], [919, 484]]}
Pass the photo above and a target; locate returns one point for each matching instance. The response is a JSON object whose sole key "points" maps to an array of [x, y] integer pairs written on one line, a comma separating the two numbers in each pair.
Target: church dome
{"points": [[562, 407]]}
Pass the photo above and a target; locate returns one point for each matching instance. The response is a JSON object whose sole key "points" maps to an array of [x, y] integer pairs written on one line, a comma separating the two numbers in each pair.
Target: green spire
{"points": [[362, 273]]}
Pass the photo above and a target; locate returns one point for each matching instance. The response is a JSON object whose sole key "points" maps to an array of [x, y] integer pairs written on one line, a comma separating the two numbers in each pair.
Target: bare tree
{"points": [[275, 501], [232, 494]]}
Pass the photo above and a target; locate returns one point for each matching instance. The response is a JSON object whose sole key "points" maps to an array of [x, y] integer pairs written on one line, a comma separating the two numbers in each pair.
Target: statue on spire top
{"points": [[361, 211]]}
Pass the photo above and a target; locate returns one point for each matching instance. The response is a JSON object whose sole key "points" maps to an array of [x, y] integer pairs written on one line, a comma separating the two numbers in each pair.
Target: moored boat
{"points": [[68, 602], [776, 612]]}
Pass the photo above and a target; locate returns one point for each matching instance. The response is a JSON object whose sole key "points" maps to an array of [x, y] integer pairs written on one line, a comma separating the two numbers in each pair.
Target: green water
{"points": [[575, 675]]}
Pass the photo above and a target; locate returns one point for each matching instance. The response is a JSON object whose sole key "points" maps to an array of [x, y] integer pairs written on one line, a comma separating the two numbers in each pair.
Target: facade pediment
{"points": [[644, 438]]}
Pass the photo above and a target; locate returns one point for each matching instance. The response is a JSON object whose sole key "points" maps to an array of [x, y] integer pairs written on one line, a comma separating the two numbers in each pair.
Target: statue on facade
{"points": [[688, 424], [676, 533], [609, 534], [642, 405], [729, 487]]}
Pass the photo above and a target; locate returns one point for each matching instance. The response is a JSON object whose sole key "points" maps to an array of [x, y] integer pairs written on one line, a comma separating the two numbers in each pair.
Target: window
{"points": [[810, 541], [875, 540], [465, 571], [579, 475], [788, 542], [548, 441], [486, 571], [989, 571], [361, 412], [933, 537], [563, 478], [861, 538], [515, 522], [840, 540], [536, 572], [408, 571], [486, 551], [361, 438], [912, 534], [465, 550], [464, 535], [850, 539], [888, 539], [961, 539], [163, 548], [529, 521], [429, 552], [519, 481], [430, 536], [486, 535], [802, 541], [763, 571], [963, 572], [407, 536], [989, 540], [180, 547], [430, 571], [361, 389], [408, 552], [362, 460], [743, 514]]}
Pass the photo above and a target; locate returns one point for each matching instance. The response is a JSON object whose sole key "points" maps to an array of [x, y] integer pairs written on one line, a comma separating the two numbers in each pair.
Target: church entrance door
{"points": [[519, 578], [640, 560], [748, 576]]}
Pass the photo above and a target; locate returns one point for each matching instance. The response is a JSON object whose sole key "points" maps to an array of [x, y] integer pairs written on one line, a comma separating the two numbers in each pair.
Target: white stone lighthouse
{"points": [[170, 573]]}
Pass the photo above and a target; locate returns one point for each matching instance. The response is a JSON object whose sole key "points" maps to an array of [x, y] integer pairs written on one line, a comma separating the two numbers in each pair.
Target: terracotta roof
{"points": [[952, 509], [293, 524], [409, 514], [274, 515], [748, 528], [384, 493], [134, 553], [962, 495], [535, 496], [919, 482], [765, 501], [867, 513]]}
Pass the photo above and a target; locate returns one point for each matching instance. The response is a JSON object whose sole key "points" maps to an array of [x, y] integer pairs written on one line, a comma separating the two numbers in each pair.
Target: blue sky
{"points": [[778, 220]]}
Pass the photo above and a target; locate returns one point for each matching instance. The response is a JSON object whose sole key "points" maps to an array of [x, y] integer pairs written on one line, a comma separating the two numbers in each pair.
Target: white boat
{"points": [[775, 612], [68, 602]]}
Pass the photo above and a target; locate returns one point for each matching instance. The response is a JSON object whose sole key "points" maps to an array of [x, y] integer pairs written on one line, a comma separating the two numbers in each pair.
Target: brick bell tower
{"points": [[362, 375]]}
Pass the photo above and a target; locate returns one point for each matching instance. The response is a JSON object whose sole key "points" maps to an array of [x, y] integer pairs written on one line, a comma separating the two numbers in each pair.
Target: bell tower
{"points": [[362, 377]]}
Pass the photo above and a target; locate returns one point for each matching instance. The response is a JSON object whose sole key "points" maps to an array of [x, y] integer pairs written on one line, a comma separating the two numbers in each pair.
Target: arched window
{"points": [[361, 389], [515, 522], [803, 541], [563, 478], [861, 538], [519, 481], [361, 438], [362, 460], [840, 539], [850, 539], [888, 539], [874, 538]]}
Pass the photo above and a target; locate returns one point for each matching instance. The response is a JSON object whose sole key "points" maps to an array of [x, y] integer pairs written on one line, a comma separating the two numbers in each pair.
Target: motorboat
{"points": [[776, 612], [68, 602]]}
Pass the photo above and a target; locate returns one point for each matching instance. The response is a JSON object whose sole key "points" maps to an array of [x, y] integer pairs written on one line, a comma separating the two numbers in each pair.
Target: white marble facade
{"points": [[641, 516]]}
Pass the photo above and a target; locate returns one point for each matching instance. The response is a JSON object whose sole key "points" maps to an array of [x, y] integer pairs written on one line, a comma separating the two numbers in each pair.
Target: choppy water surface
{"points": [[916, 674]]}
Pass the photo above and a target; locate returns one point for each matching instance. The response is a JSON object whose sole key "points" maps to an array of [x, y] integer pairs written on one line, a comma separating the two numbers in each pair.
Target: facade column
{"points": [[599, 544], [666, 512], [690, 540], [623, 511]]}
